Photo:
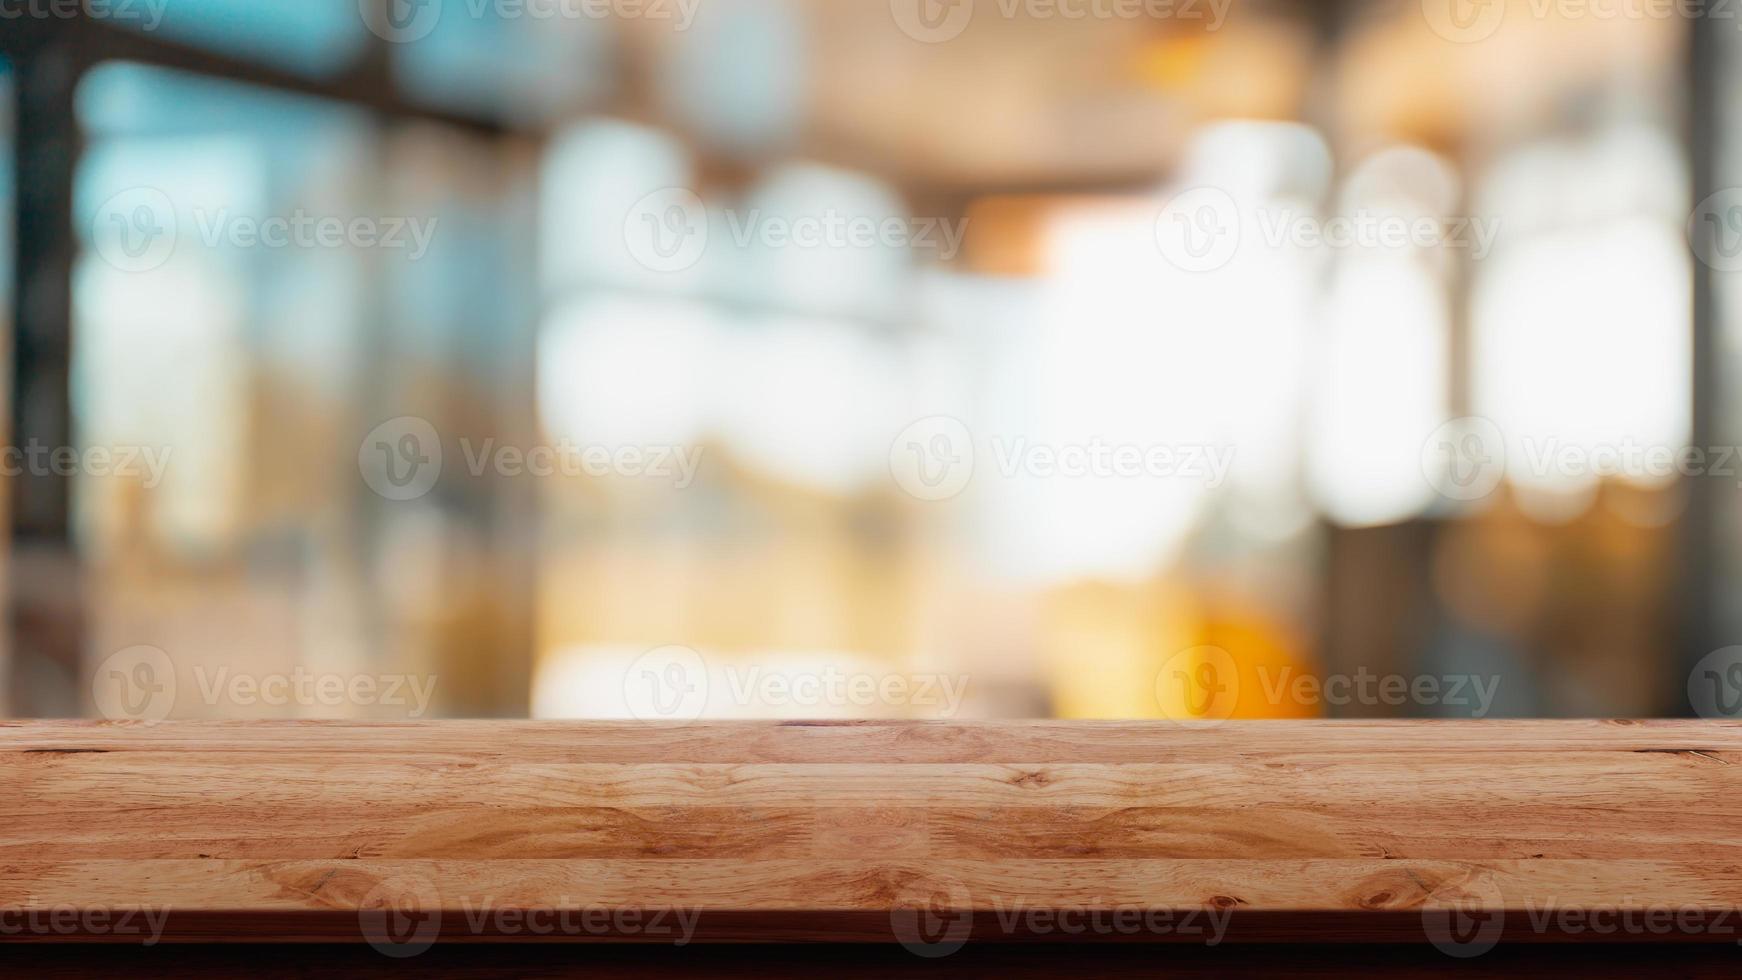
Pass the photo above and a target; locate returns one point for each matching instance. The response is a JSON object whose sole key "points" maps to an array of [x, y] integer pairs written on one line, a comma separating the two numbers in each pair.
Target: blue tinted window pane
{"points": [[491, 60], [314, 36], [120, 100], [6, 137], [6, 196], [188, 325]]}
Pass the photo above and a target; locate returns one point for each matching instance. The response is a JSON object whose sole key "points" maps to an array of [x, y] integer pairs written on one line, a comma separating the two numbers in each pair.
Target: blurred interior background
{"points": [[538, 139]]}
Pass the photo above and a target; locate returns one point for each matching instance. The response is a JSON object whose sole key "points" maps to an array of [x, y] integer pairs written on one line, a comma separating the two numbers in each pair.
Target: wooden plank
{"points": [[394, 830], [1274, 831], [65, 781], [869, 962], [871, 741]]}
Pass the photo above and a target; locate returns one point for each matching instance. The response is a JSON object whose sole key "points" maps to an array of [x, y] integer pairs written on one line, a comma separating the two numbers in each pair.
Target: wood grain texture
{"points": [[925, 833]]}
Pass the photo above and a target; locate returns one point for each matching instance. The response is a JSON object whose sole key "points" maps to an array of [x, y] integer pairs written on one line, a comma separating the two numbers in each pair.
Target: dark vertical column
{"points": [[44, 606], [1378, 609], [1375, 596], [1700, 546]]}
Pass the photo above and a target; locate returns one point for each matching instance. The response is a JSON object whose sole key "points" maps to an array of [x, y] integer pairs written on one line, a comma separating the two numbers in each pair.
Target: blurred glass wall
{"points": [[739, 358]]}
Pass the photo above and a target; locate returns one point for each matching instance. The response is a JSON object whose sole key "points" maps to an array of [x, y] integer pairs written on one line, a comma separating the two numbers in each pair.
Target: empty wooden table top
{"points": [[1462, 834]]}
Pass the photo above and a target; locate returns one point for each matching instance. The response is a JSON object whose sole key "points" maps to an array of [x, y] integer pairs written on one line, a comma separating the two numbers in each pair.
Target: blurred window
{"points": [[1721, 215], [674, 322], [6, 195], [262, 282], [526, 68], [224, 364], [1580, 332], [1383, 369], [314, 36], [7, 271]]}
